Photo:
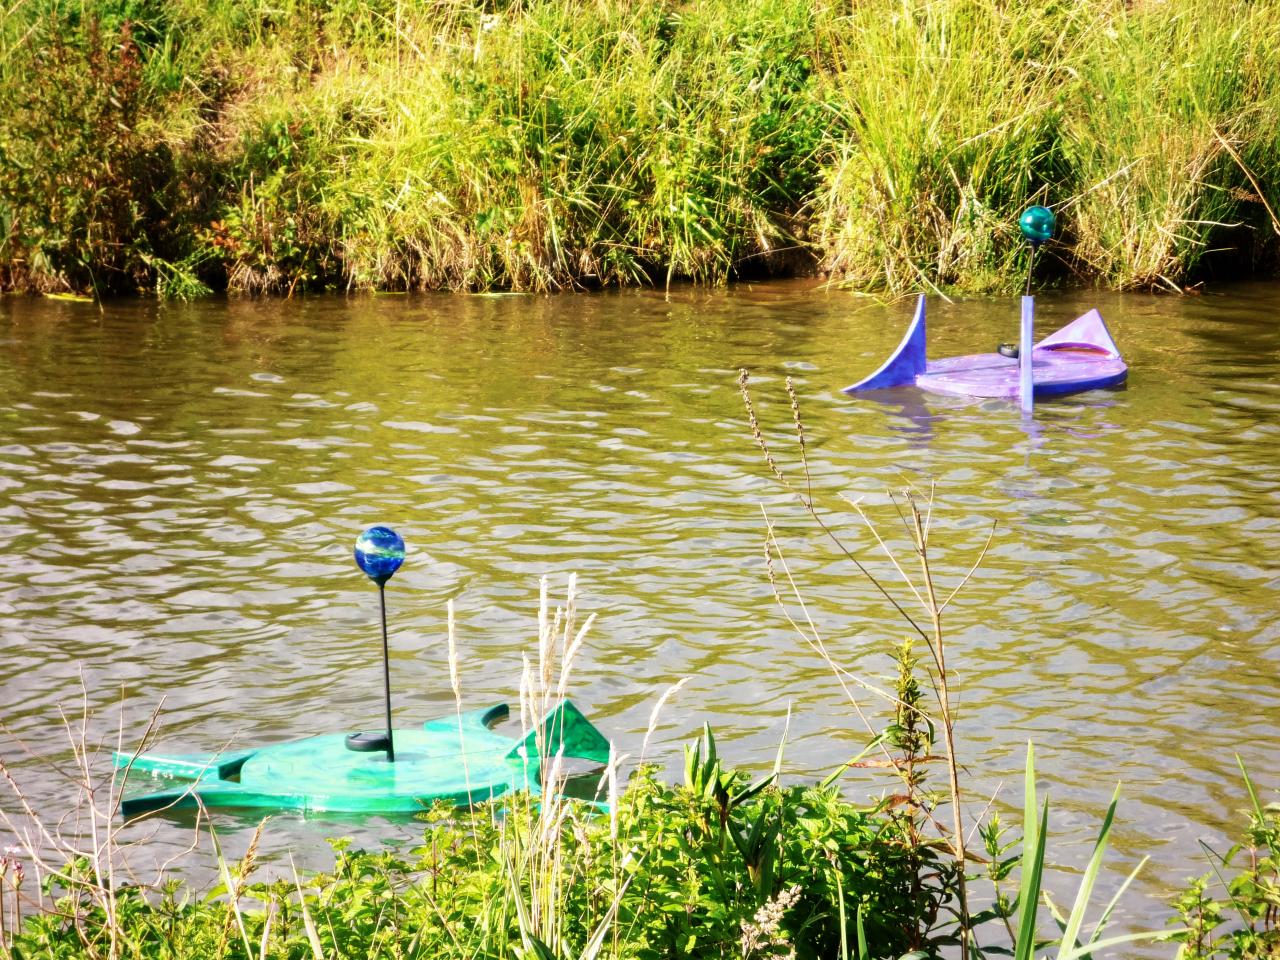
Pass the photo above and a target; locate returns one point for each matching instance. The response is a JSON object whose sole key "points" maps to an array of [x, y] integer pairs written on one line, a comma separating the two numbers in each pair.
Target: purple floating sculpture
{"points": [[1080, 356]]}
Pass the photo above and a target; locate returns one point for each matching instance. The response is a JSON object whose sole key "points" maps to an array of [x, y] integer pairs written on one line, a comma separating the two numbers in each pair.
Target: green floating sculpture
{"points": [[458, 759]]}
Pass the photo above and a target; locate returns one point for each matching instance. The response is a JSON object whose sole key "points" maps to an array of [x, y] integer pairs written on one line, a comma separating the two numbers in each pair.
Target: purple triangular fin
{"points": [[906, 363], [1089, 331]]}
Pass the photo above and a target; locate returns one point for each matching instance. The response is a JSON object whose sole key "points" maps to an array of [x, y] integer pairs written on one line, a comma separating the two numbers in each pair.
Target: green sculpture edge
{"points": [[457, 759]]}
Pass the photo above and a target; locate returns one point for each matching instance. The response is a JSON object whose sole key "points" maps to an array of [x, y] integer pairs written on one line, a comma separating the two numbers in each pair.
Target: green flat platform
{"points": [[438, 762]]}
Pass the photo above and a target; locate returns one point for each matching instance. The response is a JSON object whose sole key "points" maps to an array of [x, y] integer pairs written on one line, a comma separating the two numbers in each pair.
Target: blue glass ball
{"points": [[379, 553], [1037, 223]]}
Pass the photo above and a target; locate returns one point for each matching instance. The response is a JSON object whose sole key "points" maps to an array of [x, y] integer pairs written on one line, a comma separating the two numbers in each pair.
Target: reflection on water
{"points": [[180, 487]]}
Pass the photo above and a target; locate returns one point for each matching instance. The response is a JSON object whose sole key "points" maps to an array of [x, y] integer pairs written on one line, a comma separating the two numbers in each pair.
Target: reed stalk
{"points": [[82, 852], [918, 524]]}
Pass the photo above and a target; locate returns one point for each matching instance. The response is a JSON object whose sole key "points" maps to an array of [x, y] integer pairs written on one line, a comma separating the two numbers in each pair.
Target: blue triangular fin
{"points": [[906, 363]]}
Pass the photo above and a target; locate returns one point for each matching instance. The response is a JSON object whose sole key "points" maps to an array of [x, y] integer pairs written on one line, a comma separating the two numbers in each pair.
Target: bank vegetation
{"points": [[296, 145]]}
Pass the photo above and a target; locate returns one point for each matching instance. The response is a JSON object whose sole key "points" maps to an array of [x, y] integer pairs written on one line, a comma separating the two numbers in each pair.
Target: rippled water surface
{"points": [[180, 487]]}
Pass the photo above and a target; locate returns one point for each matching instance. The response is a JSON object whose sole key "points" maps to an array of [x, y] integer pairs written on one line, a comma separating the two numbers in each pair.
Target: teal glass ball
{"points": [[1037, 223], [379, 553]]}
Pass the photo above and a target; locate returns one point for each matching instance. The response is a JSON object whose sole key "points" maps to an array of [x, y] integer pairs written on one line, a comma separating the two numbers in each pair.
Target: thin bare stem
{"points": [[813, 637], [948, 729], [743, 379], [916, 514], [889, 554], [455, 683], [928, 520], [670, 692], [804, 452], [972, 570]]}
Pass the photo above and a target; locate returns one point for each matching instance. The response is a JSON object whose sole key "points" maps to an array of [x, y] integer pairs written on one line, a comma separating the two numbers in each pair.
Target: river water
{"points": [[181, 485]]}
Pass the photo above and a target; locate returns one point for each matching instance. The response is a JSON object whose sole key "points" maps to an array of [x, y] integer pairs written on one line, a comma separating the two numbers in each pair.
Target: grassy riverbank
{"points": [[373, 144], [715, 868]]}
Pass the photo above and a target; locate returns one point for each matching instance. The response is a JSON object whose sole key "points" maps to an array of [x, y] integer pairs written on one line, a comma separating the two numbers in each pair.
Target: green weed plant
{"points": [[1233, 911]]}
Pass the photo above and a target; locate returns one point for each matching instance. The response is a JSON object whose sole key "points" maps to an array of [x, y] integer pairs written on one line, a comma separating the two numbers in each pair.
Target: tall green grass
{"points": [[571, 143], [949, 121], [354, 144], [1165, 98]]}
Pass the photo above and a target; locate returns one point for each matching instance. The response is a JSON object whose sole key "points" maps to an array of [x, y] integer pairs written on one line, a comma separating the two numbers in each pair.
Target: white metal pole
{"points": [[1026, 383]]}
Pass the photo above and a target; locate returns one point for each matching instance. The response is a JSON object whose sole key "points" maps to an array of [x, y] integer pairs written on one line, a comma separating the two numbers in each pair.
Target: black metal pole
{"points": [[1030, 264], [386, 672]]}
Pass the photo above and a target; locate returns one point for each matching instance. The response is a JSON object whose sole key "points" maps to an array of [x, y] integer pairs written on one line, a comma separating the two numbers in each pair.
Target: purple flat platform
{"points": [[1080, 356]]}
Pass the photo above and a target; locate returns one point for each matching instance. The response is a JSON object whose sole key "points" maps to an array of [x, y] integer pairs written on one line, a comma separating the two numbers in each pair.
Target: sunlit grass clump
{"points": [[609, 143], [948, 124], [1170, 131]]}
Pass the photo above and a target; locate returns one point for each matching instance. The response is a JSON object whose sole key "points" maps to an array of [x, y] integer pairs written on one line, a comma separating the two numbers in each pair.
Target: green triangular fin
{"points": [[565, 727]]}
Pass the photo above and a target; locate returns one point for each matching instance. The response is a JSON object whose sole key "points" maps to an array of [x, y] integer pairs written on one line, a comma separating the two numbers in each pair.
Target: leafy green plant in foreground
{"points": [[716, 867], [1248, 875], [725, 869]]}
